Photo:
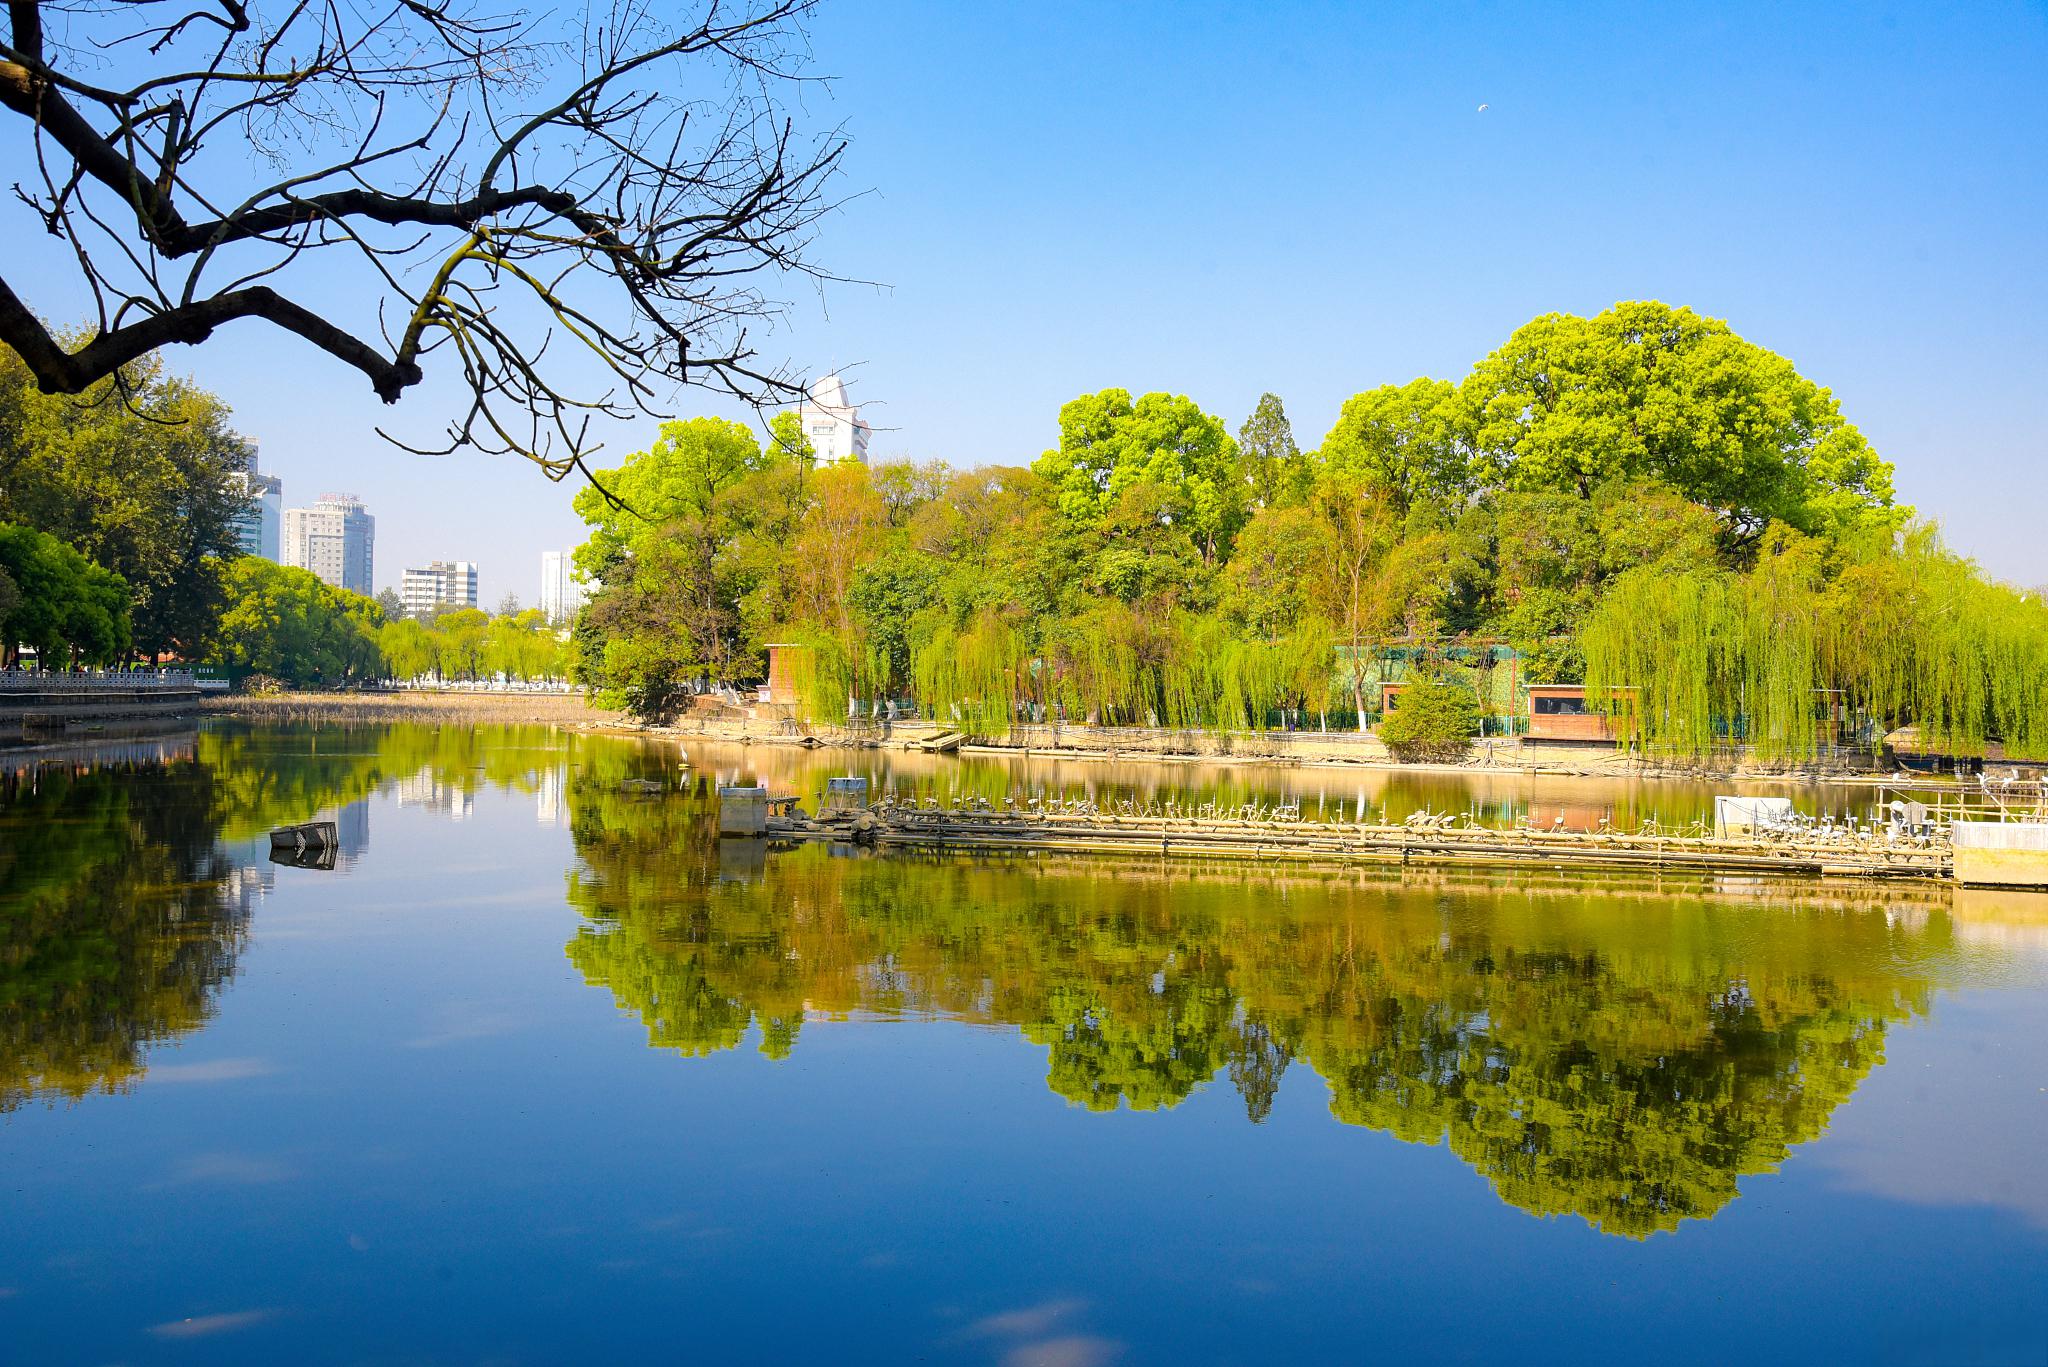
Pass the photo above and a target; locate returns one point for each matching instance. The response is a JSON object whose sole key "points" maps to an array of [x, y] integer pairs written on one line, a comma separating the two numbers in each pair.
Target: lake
{"points": [[542, 1071]]}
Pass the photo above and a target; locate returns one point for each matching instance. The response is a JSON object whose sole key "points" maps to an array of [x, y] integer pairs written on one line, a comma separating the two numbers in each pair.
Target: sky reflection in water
{"points": [[1037, 1110]]}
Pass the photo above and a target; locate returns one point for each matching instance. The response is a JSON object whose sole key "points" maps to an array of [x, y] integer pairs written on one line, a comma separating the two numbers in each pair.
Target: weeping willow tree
{"points": [[1212, 677], [1309, 656], [1778, 604], [831, 674], [1109, 666], [2016, 665], [973, 675], [1905, 633], [1198, 672], [1659, 647], [1916, 636], [1101, 670]]}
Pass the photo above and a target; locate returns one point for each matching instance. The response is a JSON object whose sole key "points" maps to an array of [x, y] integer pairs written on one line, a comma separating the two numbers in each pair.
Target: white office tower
{"points": [[832, 425], [336, 539], [445, 583], [257, 525], [560, 594]]}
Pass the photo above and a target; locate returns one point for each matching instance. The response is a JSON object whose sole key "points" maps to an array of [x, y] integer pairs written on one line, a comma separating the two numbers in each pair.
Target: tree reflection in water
{"points": [[1623, 1052], [1616, 1051], [117, 929], [122, 914]]}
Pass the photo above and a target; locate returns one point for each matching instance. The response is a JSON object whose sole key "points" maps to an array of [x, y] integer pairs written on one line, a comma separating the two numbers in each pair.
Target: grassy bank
{"points": [[559, 709]]}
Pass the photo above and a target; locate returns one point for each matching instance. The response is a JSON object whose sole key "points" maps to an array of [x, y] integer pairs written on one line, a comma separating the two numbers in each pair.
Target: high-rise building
{"points": [[560, 593], [445, 583], [832, 425], [257, 525], [336, 539]]}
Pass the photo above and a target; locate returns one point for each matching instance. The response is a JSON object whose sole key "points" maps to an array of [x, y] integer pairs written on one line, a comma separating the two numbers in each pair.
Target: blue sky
{"points": [[1221, 200]]}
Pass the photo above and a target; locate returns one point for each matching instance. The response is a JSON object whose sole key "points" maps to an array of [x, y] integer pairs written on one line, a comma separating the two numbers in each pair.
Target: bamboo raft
{"points": [[1340, 843]]}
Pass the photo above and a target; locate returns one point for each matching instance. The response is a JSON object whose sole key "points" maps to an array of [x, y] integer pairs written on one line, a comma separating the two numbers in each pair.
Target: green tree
{"points": [[69, 610], [888, 595], [521, 645], [409, 649], [140, 478], [460, 634], [1268, 585], [1591, 476], [1433, 720], [287, 623], [680, 476], [1274, 470], [1405, 440], [1646, 391], [1642, 522], [637, 642], [1108, 444], [786, 439]]}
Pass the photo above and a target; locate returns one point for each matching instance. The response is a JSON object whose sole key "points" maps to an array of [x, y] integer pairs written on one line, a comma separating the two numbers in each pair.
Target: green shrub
{"points": [[1432, 721]]}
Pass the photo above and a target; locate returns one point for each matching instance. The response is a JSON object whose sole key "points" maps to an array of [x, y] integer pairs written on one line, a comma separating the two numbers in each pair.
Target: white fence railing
{"points": [[71, 681]]}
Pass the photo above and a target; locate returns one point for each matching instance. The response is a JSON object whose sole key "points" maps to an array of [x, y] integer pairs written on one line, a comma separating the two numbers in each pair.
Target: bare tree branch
{"points": [[625, 180]]}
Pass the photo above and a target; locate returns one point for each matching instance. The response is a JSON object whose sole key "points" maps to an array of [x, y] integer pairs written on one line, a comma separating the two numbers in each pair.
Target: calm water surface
{"points": [[542, 1072]]}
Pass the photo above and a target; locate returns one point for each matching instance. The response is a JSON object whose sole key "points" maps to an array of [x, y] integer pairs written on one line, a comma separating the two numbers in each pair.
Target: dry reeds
{"points": [[371, 708]]}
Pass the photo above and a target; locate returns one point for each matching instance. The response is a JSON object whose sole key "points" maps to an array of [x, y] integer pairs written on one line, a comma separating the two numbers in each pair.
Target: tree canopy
{"points": [[138, 474], [1121, 464], [1644, 391], [1641, 501], [57, 602], [289, 624]]}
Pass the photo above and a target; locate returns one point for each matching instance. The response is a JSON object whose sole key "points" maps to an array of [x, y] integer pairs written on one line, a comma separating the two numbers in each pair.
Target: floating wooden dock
{"points": [[1337, 843]]}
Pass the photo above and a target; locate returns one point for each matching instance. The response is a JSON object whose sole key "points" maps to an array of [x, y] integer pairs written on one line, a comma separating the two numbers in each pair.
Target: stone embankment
{"points": [[40, 708], [760, 726]]}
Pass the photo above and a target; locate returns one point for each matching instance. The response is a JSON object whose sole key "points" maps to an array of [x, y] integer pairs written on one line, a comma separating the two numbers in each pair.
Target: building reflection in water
{"points": [[436, 794], [352, 828], [550, 810]]}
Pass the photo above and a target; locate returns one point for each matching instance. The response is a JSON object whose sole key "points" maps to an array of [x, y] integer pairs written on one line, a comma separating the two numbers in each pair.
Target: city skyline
{"points": [[421, 588]]}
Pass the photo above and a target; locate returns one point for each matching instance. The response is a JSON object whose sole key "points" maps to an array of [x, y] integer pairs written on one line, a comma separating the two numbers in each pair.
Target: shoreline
{"points": [[1278, 750], [369, 708]]}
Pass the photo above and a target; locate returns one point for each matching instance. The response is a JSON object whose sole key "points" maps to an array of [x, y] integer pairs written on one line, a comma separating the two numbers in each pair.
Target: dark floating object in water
{"points": [[645, 787], [310, 835], [303, 856], [308, 846]]}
